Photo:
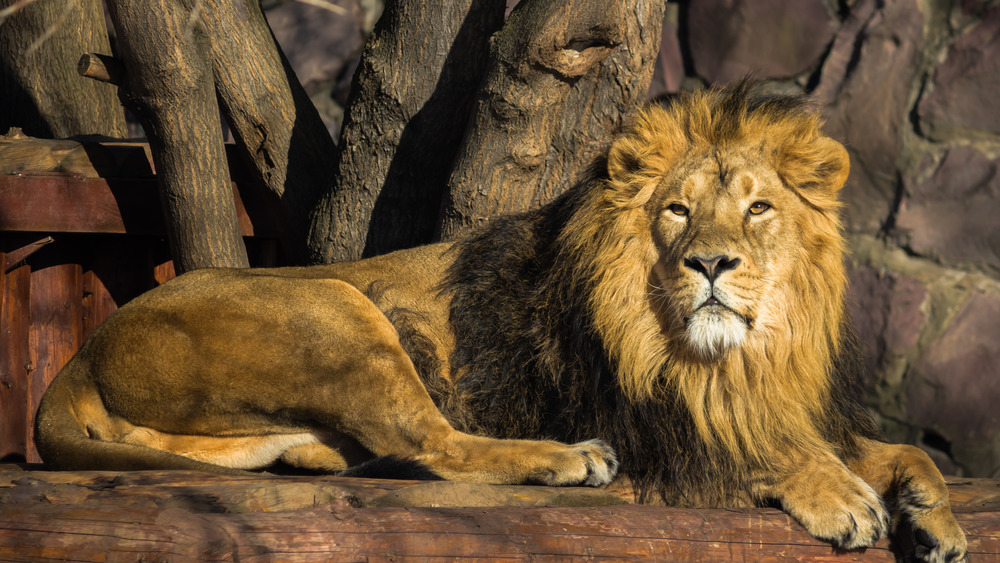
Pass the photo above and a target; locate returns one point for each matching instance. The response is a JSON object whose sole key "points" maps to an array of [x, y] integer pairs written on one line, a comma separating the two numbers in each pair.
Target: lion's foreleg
{"points": [[918, 497], [830, 501]]}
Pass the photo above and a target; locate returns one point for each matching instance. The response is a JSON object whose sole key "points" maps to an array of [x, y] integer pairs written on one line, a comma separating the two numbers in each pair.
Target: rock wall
{"points": [[910, 87]]}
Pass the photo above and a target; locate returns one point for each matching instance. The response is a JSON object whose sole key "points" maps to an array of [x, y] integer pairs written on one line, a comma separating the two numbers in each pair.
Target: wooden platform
{"points": [[188, 516]]}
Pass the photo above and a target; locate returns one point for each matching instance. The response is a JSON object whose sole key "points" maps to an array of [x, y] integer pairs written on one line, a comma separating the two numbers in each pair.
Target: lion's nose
{"points": [[711, 268]]}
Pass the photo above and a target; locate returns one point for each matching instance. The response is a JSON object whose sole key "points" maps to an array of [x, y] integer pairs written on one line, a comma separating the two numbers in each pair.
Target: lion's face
{"points": [[717, 232], [724, 225]]}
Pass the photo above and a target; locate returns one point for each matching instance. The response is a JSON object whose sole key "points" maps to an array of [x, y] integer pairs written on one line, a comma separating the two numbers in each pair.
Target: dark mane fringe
{"points": [[528, 364], [848, 419]]}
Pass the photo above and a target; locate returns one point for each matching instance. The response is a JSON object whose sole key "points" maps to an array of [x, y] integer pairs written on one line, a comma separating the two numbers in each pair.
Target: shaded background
{"points": [[911, 88]]}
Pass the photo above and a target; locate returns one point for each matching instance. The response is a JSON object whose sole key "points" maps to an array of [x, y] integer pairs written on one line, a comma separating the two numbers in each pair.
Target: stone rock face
{"points": [[886, 310], [322, 45], [864, 86], [952, 215], [963, 94], [955, 387], [669, 70], [771, 38]]}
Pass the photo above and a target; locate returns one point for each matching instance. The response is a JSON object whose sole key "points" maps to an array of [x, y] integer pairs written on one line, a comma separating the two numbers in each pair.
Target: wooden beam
{"points": [[54, 334], [59, 203], [14, 258], [190, 516]]}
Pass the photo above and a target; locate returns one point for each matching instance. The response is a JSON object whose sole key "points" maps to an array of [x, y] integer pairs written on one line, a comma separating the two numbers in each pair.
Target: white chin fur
{"points": [[712, 331]]}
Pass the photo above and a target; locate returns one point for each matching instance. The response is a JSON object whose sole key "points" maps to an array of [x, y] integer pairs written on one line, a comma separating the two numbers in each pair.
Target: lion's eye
{"points": [[758, 208], [678, 209]]}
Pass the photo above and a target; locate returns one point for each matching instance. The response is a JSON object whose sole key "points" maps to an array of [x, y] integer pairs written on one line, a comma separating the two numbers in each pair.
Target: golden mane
{"points": [[774, 389]]}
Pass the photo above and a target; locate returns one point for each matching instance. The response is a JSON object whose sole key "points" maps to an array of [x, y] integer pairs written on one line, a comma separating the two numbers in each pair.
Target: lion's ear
{"points": [[833, 163], [818, 167], [623, 158]]}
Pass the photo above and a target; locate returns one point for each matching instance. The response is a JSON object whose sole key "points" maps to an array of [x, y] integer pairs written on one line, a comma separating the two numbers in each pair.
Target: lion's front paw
{"points": [[602, 463], [849, 514], [592, 463], [931, 535]]}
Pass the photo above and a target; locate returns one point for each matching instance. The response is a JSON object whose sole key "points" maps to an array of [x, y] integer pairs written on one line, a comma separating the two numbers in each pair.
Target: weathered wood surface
{"points": [[92, 186], [14, 319], [92, 157], [58, 203], [188, 516]]}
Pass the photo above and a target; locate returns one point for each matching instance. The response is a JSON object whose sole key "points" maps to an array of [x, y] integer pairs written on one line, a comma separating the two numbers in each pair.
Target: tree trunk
{"points": [[40, 44], [169, 84], [276, 125], [564, 75], [408, 109]]}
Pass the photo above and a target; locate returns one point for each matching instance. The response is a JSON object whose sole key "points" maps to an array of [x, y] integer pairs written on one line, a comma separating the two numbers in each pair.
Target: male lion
{"points": [[685, 306]]}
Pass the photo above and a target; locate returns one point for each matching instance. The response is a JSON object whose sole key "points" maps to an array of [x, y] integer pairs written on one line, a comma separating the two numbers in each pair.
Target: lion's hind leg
{"points": [[385, 408], [923, 525], [315, 456]]}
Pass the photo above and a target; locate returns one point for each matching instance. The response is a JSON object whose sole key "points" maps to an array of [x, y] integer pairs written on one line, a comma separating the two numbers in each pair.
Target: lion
{"points": [[677, 318]]}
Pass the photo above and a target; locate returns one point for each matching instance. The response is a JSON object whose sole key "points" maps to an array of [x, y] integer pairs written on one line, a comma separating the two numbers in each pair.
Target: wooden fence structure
{"points": [[76, 243]]}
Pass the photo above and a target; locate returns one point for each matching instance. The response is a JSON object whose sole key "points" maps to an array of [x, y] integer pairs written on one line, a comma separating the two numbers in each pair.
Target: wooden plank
{"points": [[97, 303], [89, 158], [162, 273], [189, 516], [55, 332], [15, 257], [64, 203], [59, 203], [14, 358]]}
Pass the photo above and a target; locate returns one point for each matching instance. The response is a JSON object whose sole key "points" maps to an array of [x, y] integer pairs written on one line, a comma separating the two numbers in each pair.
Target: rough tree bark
{"points": [[169, 84], [408, 110], [40, 44], [277, 128], [276, 125], [563, 76]]}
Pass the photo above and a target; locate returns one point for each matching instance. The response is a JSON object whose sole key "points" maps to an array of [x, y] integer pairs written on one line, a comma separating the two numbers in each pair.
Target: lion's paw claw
{"points": [[602, 463], [592, 463]]}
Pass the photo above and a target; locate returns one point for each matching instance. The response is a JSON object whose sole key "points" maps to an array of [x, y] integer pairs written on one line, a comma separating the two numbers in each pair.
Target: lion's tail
{"points": [[70, 413]]}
